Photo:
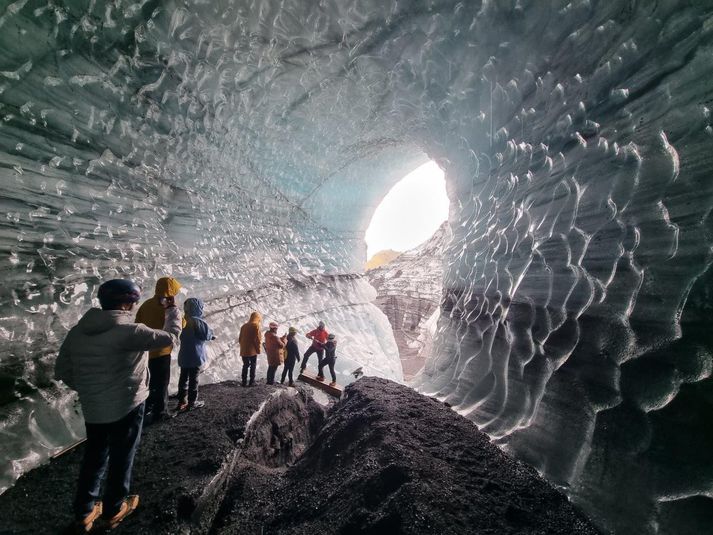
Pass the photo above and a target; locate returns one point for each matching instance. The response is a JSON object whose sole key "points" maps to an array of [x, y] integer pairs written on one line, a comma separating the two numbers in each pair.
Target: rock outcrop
{"points": [[409, 292]]}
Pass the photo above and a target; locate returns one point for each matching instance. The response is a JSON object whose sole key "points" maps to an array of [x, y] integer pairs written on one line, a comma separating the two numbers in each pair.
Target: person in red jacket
{"points": [[319, 339]]}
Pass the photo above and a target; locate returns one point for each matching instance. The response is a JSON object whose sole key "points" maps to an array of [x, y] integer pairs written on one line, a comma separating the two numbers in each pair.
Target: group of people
{"points": [[283, 350], [121, 389], [103, 358]]}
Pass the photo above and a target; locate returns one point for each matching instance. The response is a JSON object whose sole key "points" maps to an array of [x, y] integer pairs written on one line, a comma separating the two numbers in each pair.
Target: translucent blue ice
{"points": [[242, 147]]}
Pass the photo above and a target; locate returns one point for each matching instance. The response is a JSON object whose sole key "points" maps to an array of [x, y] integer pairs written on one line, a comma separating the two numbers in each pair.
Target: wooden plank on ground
{"points": [[324, 386]]}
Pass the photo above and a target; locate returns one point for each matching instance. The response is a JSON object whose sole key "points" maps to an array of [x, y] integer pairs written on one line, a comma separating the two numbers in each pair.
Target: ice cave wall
{"points": [[242, 146]]}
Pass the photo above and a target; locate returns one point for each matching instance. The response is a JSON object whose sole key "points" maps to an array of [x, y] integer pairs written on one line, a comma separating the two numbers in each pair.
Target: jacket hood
{"points": [[97, 321], [255, 317], [167, 287], [193, 307]]}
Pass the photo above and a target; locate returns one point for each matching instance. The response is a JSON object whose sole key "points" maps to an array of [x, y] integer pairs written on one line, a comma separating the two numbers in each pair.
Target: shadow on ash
{"points": [[269, 459]]}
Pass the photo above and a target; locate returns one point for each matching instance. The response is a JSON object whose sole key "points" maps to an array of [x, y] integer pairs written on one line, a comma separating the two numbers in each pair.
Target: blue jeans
{"points": [[114, 445]]}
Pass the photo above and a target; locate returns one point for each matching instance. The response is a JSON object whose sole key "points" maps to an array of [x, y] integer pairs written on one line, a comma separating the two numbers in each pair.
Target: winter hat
{"points": [[321, 325], [193, 307], [292, 330], [331, 337], [167, 287], [273, 325], [118, 292]]}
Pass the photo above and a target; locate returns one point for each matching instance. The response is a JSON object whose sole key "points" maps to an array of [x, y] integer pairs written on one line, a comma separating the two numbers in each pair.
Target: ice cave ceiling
{"points": [[242, 146]]}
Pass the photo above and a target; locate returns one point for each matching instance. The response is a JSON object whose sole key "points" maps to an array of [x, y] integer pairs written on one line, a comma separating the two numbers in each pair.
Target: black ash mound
{"points": [[390, 460]]}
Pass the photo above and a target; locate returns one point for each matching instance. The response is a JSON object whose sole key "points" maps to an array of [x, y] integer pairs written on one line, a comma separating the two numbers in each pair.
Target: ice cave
{"points": [[242, 146]]}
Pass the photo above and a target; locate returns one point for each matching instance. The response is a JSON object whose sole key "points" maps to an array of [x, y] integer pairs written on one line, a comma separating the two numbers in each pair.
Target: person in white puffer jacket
{"points": [[103, 358]]}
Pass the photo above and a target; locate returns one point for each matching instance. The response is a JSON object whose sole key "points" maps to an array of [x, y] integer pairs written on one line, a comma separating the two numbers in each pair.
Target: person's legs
{"points": [[166, 378], [123, 441], [160, 374], [253, 363], [307, 354], [322, 363], [271, 374], [96, 455], [284, 373], [246, 365], [183, 385], [153, 384], [331, 370], [193, 374], [289, 370]]}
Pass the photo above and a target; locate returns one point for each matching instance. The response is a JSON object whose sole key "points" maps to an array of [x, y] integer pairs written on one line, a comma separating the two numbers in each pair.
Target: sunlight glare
{"points": [[410, 213]]}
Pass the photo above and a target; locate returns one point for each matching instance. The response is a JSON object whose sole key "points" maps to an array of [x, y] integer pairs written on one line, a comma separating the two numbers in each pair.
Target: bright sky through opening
{"points": [[410, 213]]}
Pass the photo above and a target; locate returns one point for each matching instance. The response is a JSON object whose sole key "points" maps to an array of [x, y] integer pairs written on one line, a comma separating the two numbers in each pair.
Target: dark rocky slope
{"points": [[182, 467], [390, 460]]}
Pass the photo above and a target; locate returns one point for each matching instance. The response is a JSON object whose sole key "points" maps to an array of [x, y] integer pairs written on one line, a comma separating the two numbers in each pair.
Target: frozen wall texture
{"points": [[242, 146]]}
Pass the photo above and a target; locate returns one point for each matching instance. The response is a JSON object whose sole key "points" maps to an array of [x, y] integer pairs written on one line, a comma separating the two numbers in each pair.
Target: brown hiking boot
{"points": [[320, 378], [333, 383], [182, 406], [127, 507], [86, 524]]}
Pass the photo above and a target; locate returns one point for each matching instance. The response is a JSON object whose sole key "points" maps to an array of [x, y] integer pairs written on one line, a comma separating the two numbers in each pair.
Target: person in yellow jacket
{"points": [[151, 313], [250, 341]]}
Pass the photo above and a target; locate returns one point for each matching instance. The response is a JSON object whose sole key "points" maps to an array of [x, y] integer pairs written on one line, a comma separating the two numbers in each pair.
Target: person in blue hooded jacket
{"points": [[192, 355]]}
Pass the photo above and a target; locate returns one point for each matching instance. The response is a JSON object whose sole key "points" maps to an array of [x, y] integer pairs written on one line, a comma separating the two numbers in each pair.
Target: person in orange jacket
{"points": [[151, 313], [275, 350], [250, 340]]}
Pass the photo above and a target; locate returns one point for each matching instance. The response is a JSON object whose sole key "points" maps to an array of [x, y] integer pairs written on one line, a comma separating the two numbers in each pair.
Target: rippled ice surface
{"points": [[242, 147]]}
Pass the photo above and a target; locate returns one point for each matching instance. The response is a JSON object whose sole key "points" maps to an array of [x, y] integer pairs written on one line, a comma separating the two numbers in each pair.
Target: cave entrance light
{"points": [[410, 212]]}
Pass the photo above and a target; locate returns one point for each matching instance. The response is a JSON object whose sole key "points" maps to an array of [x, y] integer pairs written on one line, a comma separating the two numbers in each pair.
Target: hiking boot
{"points": [[291, 383], [128, 506], [320, 378], [86, 524], [333, 383], [182, 406], [196, 405]]}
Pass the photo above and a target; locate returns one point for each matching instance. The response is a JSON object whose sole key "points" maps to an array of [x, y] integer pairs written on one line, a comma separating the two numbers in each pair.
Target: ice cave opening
{"points": [[242, 146], [406, 241], [408, 215]]}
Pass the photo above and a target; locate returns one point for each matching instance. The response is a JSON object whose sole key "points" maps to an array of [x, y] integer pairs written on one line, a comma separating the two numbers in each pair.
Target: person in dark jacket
{"points": [[103, 358], [293, 355], [330, 357], [192, 355]]}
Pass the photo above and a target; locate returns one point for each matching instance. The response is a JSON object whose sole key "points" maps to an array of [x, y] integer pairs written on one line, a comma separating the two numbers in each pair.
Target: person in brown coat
{"points": [[250, 340], [275, 349]]}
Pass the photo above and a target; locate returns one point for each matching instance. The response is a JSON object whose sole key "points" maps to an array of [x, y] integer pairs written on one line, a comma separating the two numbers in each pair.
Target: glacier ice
{"points": [[243, 145]]}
